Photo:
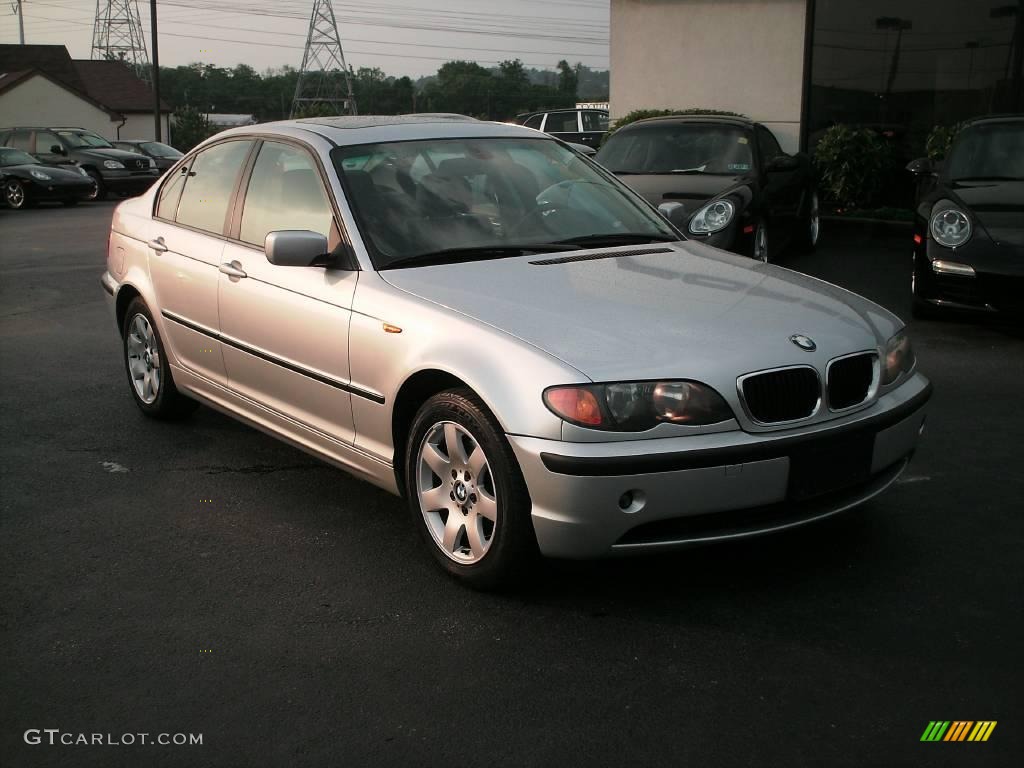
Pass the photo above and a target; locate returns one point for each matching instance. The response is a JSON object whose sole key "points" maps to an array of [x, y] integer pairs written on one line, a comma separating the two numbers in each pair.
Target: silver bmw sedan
{"points": [[475, 317]]}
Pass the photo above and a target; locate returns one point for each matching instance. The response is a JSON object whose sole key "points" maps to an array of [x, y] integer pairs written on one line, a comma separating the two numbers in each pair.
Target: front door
{"points": [[285, 329]]}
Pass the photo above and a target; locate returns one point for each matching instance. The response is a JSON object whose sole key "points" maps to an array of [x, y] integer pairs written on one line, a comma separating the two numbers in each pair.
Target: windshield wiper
{"points": [[457, 255], [614, 238]]}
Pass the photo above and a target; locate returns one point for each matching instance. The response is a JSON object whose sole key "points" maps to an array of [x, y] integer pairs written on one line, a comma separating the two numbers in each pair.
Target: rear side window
{"points": [[170, 193], [562, 122], [534, 122], [285, 192], [208, 186], [46, 141]]}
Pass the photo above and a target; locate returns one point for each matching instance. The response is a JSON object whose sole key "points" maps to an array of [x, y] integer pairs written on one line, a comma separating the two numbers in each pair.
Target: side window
{"points": [[170, 193], [767, 145], [285, 192], [211, 179], [128, 147], [45, 141], [595, 121], [21, 140], [535, 121], [562, 122]]}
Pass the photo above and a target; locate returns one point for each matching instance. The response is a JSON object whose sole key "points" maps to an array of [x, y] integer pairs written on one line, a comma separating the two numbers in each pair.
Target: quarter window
{"points": [[284, 192], [211, 179], [767, 145], [170, 194]]}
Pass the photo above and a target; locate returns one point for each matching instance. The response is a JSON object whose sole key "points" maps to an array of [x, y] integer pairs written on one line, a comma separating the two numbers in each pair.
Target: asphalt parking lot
{"points": [[204, 578]]}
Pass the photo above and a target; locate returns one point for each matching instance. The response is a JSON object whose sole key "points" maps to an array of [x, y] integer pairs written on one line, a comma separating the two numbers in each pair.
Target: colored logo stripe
{"points": [[958, 730]]}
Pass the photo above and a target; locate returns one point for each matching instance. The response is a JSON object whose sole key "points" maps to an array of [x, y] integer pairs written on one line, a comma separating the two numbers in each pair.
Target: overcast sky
{"points": [[402, 37]]}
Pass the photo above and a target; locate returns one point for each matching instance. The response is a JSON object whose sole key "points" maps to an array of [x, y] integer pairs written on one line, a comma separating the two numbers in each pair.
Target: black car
{"points": [[112, 169], [969, 222], [575, 126], [722, 180], [162, 154], [25, 181]]}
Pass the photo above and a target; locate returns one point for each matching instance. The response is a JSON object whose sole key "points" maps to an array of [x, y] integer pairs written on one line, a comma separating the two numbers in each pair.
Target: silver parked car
{"points": [[476, 317]]}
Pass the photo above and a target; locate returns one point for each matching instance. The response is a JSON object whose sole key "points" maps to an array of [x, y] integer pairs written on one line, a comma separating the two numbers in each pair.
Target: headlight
{"points": [[40, 175], [713, 217], [112, 164], [951, 227], [637, 406], [899, 358]]}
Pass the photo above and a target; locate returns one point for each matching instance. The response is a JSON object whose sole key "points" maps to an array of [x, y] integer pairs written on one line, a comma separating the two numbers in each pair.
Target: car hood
{"points": [[692, 190], [687, 310], [54, 172], [102, 153], [998, 206]]}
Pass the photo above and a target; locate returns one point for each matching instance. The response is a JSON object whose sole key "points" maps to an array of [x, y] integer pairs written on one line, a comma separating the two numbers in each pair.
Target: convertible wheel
{"points": [[15, 196], [466, 492], [149, 373], [810, 225], [761, 252]]}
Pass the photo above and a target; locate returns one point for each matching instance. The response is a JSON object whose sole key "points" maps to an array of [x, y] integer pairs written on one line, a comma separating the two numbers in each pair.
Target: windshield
{"points": [[416, 199], [156, 149], [84, 139], [16, 157], [692, 148], [993, 150]]}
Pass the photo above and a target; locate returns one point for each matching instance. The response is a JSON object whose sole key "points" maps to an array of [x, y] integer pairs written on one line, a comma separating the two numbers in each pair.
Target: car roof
{"points": [[372, 129], [525, 115], [44, 128], [737, 120], [1005, 118]]}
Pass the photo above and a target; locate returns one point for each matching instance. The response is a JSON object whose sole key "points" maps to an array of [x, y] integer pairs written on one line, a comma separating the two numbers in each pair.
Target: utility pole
{"points": [[322, 60], [157, 134], [16, 7]]}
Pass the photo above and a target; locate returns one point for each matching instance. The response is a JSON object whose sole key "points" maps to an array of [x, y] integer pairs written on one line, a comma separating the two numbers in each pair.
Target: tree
{"points": [[568, 79], [190, 127]]}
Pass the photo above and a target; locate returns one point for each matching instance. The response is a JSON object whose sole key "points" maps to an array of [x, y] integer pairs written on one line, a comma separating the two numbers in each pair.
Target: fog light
{"points": [[632, 501], [952, 268]]}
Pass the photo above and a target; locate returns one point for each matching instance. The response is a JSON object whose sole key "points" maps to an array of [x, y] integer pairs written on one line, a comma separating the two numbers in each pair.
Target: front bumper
{"points": [[597, 499], [117, 180], [59, 190]]}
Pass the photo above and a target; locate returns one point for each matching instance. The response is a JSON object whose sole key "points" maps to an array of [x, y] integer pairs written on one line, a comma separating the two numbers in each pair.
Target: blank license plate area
{"points": [[830, 465]]}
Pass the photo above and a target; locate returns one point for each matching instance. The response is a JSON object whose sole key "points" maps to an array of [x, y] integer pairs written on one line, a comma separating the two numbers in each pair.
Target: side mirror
{"points": [[782, 163], [57, 149], [674, 212], [921, 166], [295, 247]]}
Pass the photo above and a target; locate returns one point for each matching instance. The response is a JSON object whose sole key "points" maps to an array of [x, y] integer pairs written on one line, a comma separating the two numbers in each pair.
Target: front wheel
{"points": [[99, 191], [761, 252], [149, 372], [15, 195], [466, 493], [810, 225]]}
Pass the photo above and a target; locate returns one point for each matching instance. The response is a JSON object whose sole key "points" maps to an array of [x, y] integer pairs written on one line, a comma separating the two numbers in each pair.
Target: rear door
{"points": [[594, 123], [285, 329], [186, 242], [564, 125]]}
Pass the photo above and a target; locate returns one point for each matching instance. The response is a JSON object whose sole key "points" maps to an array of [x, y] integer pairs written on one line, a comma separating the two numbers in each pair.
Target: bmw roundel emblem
{"points": [[805, 343]]}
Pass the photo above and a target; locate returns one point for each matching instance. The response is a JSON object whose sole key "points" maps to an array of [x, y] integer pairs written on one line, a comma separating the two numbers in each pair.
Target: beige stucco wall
{"points": [[37, 101], [741, 55], [140, 126]]}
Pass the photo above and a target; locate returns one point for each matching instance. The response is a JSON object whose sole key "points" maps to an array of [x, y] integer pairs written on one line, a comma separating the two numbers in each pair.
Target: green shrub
{"points": [[643, 114], [940, 140], [852, 165], [189, 127]]}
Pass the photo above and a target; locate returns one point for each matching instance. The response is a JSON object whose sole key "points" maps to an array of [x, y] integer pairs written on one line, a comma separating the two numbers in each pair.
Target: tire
{"points": [[762, 242], [147, 367], [16, 196], [480, 487], [100, 193], [809, 226]]}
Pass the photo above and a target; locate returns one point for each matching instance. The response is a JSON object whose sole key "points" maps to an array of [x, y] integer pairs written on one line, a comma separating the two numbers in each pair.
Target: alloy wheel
{"points": [[456, 492], [143, 359], [15, 194]]}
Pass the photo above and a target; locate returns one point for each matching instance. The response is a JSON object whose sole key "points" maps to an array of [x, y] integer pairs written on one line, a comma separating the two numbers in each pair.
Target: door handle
{"points": [[234, 269], [157, 244]]}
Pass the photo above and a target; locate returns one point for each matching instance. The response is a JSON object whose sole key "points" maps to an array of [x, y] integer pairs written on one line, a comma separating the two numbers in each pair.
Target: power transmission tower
{"points": [[117, 35], [323, 70]]}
